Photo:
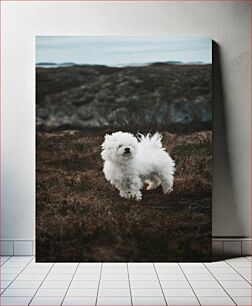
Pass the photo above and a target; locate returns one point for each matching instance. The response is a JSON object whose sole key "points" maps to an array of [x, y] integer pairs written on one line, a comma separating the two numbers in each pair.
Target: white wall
{"points": [[228, 23]]}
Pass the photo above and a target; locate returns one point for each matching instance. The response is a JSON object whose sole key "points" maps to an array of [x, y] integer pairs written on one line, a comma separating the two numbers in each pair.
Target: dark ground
{"points": [[81, 217]]}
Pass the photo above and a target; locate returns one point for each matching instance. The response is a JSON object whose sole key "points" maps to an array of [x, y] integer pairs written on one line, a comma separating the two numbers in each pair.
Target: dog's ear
{"points": [[139, 136], [107, 136]]}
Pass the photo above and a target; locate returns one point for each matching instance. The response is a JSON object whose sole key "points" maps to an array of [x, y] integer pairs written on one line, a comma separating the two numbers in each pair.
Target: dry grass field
{"points": [[81, 217]]}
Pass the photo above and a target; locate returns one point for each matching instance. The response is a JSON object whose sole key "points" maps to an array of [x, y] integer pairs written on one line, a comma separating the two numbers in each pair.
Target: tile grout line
{"points": [[41, 283], [239, 273], [96, 300], [220, 284], [131, 299], [16, 276], [70, 284], [247, 258], [1, 266], [160, 283], [190, 284], [9, 257]]}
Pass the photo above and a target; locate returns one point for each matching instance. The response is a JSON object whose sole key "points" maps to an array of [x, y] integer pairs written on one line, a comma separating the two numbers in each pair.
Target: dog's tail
{"points": [[149, 140]]}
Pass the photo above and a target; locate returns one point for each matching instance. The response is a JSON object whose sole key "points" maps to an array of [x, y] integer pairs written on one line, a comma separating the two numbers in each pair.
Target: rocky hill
{"points": [[91, 96]]}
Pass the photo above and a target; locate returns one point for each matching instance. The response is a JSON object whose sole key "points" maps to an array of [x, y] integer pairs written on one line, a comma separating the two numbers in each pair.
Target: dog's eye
{"points": [[119, 146]]}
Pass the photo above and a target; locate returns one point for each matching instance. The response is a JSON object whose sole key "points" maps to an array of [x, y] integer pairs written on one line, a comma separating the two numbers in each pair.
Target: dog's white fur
{"points": [[130, 163]]}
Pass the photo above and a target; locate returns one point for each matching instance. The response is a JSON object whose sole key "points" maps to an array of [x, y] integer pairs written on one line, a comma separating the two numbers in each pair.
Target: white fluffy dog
{"points": [[130, 163]]}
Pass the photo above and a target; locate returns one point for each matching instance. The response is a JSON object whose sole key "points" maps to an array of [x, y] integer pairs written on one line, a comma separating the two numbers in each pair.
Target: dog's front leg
{"points": [[122, 188], [135, 189]]}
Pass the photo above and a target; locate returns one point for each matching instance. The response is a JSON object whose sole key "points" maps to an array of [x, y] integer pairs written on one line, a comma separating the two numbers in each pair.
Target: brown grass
{"points": [[81, 217]]}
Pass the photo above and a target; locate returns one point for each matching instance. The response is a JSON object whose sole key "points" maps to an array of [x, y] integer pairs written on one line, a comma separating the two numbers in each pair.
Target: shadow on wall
{"points": [[225, 213]]}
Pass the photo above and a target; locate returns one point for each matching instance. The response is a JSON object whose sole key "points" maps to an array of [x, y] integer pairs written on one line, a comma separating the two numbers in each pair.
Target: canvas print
{"points": [[123, 149]]}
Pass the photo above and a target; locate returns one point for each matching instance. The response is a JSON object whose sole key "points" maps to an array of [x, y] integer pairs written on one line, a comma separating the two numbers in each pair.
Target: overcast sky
{"points": [[121, 51]]}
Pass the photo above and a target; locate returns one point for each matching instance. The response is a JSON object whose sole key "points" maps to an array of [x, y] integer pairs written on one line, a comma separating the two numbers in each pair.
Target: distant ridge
{"points": [[70, 64]]}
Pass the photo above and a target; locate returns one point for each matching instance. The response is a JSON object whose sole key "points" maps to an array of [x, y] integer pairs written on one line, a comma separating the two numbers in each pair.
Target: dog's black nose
{"points": [[127, 150]]}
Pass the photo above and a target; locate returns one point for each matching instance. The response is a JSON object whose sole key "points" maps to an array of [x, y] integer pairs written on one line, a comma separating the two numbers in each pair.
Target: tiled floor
{"points": [[24, 282]]}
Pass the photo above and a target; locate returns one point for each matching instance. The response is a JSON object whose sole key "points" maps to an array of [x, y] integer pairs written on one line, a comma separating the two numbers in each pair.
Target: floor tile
{"points": [[96, 264], [119, 276], [19, 292], [5, 283], [191, 264], [139, 276], [80, 300], [91, 277], [21, 258], [146, 292], [3, 259], [217, 264], [29, 276], [145, 284], [241, 264], [221, 300], [195, 270], [51, 292], [247, 277], [47, 300], [14, 264], [209, 292], [66, 264], [143, 270], [180, 300], [114, 270], [55, 284], [63, 270], [174, 284], [239, 291], [8, 276], [169, 270], [84, 284], [228, 276], [58, 277], [205, 284], [237, 259], [225, 270], [140, 264], [243, 270], [172, 276], [25, 284], [114, 284], [200, 276], [125, 301], [40, 265], [235, 284], [9, 270], [150, 300], [114, 292], [243, 300], [165, 264], [178, 292], [88, 270], [82, 292], [15, 300], [31, 270]]}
